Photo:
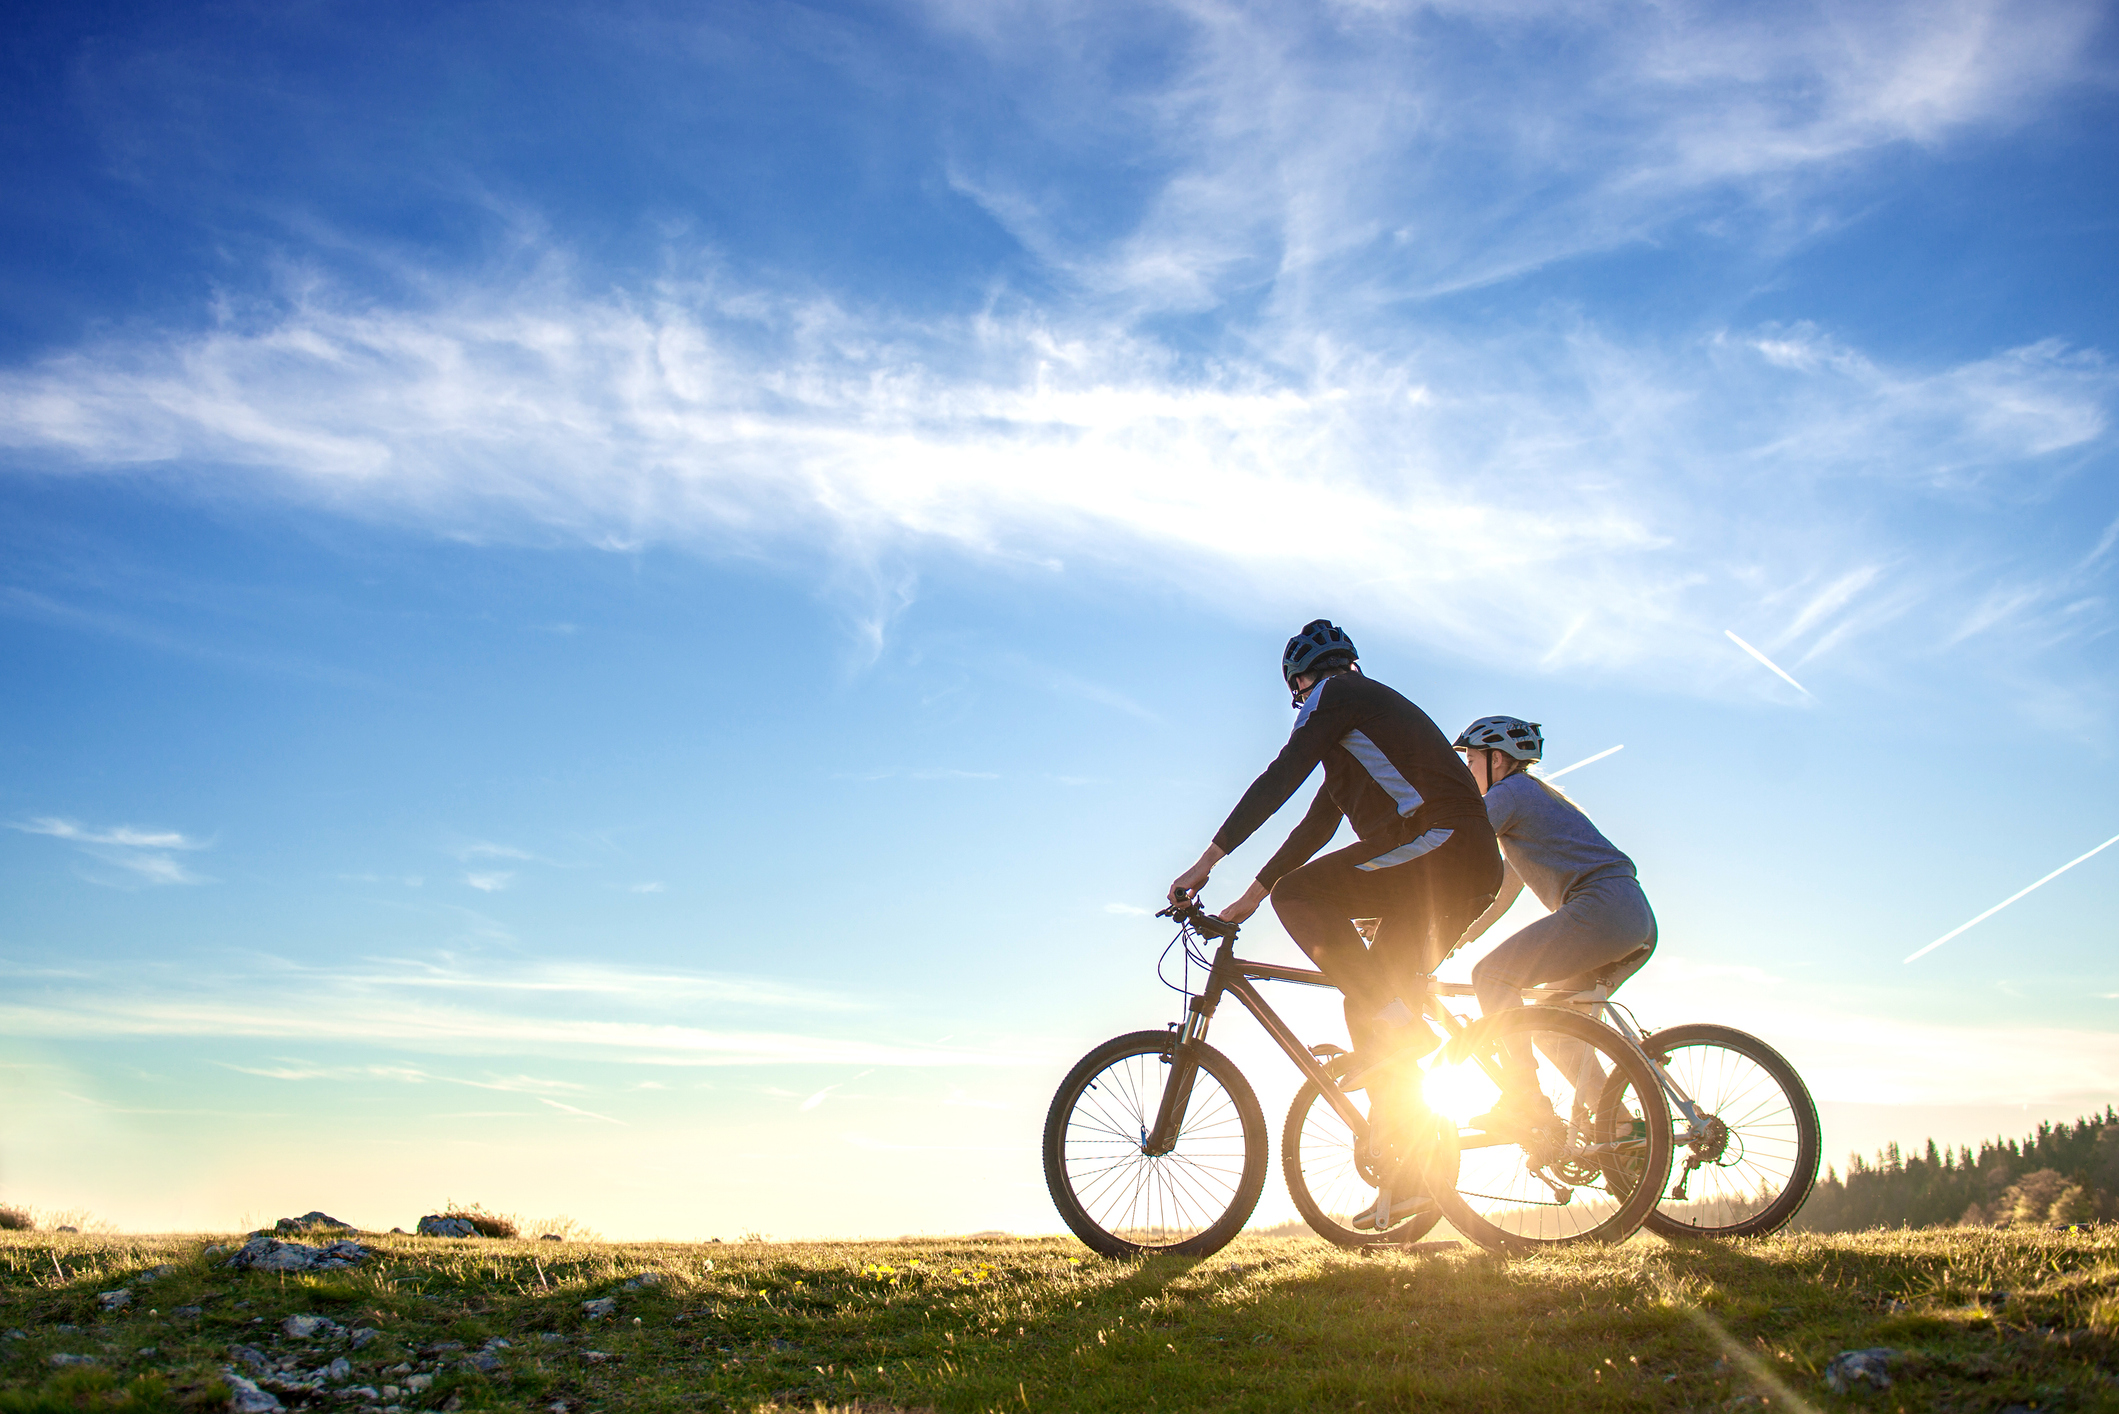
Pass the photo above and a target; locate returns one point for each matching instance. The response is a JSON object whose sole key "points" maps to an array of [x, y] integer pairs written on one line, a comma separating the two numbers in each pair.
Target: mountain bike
{"points": [[1155, 1142]]}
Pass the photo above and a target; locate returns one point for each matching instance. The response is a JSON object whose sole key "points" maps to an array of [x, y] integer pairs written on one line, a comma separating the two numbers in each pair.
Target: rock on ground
{"points": [[435, 1225], [599, 1308], [310, 1221], [245, 1397], [304, 1327], [1853, 1368], [269, 1254]]}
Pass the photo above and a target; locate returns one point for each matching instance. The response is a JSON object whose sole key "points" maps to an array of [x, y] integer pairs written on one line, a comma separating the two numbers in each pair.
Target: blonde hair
{"points": [[1550, 789]]}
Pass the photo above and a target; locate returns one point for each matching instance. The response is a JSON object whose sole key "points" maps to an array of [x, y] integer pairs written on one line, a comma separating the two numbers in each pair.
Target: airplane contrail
{"points": [[2012, 898], [1585, 761], [1769, 663]]}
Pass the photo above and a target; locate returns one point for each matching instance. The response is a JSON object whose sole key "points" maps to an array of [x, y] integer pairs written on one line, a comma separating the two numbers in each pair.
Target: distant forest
{"points": [[2066, 1173]]}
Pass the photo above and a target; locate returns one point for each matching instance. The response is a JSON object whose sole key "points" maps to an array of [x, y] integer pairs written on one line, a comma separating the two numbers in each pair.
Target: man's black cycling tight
{"points": [[1425, 891]]}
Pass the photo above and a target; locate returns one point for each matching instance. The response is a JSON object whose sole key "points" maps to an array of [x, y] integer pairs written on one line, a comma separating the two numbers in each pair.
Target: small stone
{"points": [[15, 1335], [115, 1300], [364, 1336], [599, 1308], [498, 1342], [646, 1279], [156, 1273], [245, 1397], [367, 1392], [399, 1369], [306, 1327], [66, 1227], [594, 1357], [310, 1222], [339, 1369], [435, 1225], [419, 1384], [185, 1311], [62, 1361], [485, 1362], [549, 1337], [1853, 1368], [147, 1352], [445, 1347], [454, 1401], [255, 1359], [551, 1237]]}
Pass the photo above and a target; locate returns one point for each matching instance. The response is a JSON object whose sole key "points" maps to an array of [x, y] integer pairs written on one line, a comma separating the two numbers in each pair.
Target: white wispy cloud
{"points": [[1308, 176], [1300, 145], [490, 882], [612, 1014], [1524, 478], [486, 849], [144, 855]]}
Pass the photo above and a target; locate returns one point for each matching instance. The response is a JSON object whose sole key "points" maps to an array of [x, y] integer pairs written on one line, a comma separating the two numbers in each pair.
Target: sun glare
{"points": [[1459, 1091]]}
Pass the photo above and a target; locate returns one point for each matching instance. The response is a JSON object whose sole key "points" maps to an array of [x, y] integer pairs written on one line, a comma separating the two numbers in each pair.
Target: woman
{"points": [[1600, 929]]}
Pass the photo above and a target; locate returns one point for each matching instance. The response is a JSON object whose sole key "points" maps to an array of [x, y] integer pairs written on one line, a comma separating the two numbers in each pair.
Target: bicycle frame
{"points": [[1232, 975]]}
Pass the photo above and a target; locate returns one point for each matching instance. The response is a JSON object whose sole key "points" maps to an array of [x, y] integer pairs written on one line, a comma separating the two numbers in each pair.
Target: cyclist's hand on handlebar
{"points": [[1185, 888], [1244, 906]]}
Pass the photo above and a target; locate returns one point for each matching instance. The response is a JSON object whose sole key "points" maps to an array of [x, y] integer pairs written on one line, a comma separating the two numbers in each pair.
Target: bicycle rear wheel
{"points": [[1592, 1172], [1750, 1163], [1332, 1179], [1122, 1200]]}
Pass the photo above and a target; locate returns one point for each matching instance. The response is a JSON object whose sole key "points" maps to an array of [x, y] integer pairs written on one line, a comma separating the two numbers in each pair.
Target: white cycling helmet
{"points": [[1513, 735]]}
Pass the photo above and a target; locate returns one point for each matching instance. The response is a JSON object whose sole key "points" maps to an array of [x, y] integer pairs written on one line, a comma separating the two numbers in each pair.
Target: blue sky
{"points": [[621, 610]]}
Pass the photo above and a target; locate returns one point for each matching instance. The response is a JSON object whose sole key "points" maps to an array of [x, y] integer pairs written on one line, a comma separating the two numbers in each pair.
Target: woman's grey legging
{"points": [[1604, 930]]}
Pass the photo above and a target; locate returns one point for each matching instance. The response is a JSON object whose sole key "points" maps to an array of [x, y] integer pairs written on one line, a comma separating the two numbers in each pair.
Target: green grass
{"points": [[1270, 1323]]}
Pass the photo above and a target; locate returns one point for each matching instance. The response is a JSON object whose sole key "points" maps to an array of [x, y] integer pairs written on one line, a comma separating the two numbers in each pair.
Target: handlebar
{"points": [[1189, 914]]}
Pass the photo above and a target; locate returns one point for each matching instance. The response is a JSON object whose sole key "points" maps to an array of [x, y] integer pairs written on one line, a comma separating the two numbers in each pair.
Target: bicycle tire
{"points": [[1765, 1109], [1328, 1176], [1508, 1195], [1123, 1202]]}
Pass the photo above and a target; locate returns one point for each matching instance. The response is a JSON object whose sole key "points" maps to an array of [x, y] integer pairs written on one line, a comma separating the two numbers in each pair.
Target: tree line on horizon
{"points": [[2059, 1175]]}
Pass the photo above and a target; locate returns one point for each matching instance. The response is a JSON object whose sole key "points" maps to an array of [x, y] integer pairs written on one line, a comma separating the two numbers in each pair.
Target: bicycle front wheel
{"points": [[1749, 1161], [1591, 1170], [1122, 1200], [1333, 1180]]}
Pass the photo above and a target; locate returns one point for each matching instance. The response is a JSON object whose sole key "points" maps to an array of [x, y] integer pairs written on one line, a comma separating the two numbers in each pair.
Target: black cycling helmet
{"points": [[1318, 648]]}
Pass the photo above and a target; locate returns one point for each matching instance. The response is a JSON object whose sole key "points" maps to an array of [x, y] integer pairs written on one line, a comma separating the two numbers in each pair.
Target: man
{"points": [[1426, 865]]}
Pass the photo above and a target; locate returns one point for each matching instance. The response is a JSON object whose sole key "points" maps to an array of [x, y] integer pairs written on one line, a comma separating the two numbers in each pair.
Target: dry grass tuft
{"points": [[488, 1223]]}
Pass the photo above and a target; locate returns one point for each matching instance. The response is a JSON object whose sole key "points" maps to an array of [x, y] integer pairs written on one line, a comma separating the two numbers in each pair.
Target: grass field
{"points": [[1985, 1320]]}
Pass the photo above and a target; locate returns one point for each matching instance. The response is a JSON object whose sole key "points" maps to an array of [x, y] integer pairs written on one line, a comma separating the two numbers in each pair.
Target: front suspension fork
{"points": [[1161, 1137]]}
